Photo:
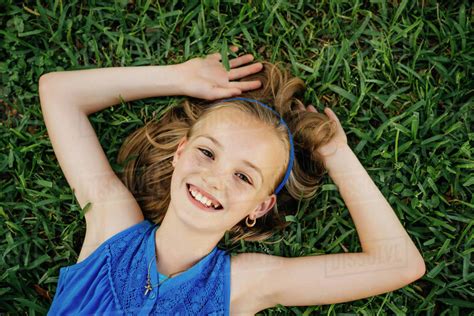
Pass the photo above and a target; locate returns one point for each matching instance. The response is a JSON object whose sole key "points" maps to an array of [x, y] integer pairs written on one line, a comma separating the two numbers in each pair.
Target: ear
{"points": [[179, 150], [264, 207]]}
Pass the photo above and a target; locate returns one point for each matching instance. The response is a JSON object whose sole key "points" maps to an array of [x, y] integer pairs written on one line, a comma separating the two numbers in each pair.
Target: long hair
{"points": [[147, 153]]}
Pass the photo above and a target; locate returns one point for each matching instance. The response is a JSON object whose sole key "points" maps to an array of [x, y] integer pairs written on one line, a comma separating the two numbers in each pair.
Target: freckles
{"points": [[197, 162]]}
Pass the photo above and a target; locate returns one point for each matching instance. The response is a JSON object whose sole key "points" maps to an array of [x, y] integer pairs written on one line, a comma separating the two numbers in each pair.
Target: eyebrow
{"points": [[246, 162]]}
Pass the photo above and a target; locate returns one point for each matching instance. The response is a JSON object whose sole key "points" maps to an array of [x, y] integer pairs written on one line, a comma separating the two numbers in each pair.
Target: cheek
{"points": [[190, 160], [244, 202], [195, 158]]}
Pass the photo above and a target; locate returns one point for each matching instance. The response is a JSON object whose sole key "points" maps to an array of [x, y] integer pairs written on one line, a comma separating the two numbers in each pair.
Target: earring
{"points": [[247, 222]]}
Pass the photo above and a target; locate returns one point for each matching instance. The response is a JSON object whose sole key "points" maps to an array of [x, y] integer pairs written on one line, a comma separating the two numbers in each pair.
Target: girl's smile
{"points": [[203, 201]]}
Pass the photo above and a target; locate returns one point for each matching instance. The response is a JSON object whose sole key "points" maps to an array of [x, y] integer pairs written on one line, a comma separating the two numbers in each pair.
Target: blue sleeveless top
{"points": [[112, 279]]}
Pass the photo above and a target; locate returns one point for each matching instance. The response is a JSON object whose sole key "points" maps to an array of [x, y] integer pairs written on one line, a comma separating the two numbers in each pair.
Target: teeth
{"points": [[199, 197]]}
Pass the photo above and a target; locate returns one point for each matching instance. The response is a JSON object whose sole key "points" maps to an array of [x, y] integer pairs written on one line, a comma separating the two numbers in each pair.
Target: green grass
{"points": [[399, 75]]}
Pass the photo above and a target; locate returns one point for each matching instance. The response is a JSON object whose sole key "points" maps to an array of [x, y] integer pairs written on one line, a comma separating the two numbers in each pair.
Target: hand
{"points": [[207, 78], [339, 140]]}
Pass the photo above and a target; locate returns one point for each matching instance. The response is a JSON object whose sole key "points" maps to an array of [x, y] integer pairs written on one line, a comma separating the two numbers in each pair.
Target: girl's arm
{"points": [[377, 225], [376, 222], [68, 97], [93, 90], [389, 259]]}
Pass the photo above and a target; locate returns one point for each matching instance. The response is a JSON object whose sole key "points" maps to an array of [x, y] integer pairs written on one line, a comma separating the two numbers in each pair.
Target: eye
{"points": [[245, 178], [204, 151]]}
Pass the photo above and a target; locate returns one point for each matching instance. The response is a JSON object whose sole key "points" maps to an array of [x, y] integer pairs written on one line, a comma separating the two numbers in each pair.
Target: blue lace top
{"points": [[112, 279]]}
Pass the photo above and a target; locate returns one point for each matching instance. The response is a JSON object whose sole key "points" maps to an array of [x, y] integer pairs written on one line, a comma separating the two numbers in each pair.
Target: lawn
{"points": [[399, 75]]}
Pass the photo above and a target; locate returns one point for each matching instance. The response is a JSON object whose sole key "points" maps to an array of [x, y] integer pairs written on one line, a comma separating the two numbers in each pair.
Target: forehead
{"points": [[229, 115], [244, 137]]}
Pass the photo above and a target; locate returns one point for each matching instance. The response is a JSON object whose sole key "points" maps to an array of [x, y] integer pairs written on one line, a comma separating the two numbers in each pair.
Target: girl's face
{"points": [[232, 159]]}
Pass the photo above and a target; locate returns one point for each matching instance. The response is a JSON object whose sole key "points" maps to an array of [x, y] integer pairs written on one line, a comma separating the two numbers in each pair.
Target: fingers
{"points": [[218, 56], [311, 108], [300, 106], [220, 93], [236, 62], [234, 48], [241, 60], [331, 114], [245, 85], [241, 72]]}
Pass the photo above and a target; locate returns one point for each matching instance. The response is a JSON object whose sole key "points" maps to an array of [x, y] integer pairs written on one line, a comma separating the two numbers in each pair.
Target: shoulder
{"points": [[94, 240], [250, 275]]}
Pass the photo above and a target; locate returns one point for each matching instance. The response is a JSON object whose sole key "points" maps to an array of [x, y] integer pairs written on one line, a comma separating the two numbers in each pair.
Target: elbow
{"points": [[43, 82], [48, 79], [43, 88]]}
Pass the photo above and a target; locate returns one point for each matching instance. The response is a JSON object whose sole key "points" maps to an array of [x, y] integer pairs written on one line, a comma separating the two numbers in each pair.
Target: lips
{"points": [[208, 196]]}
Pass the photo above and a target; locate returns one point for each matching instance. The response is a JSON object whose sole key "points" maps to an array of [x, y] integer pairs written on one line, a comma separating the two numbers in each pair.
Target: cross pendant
{"points": [[148, 288]]}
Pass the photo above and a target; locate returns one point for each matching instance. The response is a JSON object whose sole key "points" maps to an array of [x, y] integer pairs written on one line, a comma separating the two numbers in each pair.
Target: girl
{"points": [[204, 170]]}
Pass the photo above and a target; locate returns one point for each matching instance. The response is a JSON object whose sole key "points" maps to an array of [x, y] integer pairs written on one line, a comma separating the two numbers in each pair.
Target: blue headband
{"points": [[292, 154]]}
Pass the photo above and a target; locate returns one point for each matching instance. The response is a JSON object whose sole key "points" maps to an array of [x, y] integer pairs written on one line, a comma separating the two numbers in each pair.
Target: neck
{"points": [[178, 246]]}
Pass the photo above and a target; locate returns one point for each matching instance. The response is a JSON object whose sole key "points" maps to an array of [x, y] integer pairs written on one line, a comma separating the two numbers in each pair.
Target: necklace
{"points": [[149, 287]]}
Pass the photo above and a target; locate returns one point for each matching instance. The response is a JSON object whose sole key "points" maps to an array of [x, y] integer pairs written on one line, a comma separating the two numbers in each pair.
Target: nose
{"points": [[213, 179]]}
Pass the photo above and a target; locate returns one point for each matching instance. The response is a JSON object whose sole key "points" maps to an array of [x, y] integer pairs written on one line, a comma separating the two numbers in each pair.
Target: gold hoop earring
{"points": [[247, 222]]}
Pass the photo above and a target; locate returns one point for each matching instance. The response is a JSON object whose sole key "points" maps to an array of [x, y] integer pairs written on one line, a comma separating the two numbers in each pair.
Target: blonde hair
{"points": [[148, 152]]}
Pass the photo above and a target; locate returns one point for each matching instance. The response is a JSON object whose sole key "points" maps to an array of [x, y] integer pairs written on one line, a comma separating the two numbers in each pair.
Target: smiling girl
{"points": [[234, 163]]}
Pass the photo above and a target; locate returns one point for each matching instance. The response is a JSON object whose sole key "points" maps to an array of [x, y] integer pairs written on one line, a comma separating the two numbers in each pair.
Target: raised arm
{"points": [[389, 259], [68, 97]]}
